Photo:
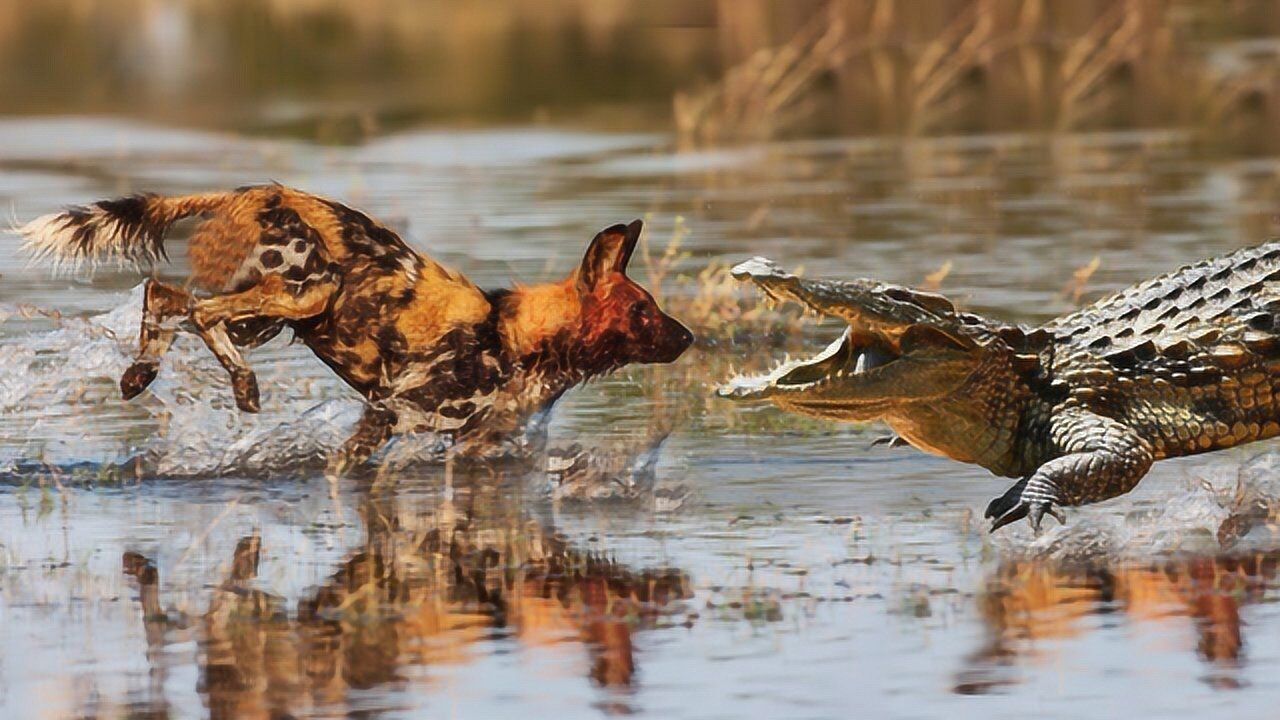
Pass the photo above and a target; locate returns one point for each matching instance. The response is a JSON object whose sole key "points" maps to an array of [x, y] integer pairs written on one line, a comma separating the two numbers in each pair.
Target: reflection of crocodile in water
{"points": [[1028, 605], [1078, 408]]}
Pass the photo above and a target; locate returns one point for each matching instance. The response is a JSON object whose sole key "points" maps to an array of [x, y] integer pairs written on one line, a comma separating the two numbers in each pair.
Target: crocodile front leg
{"points": [[1101, 458]]}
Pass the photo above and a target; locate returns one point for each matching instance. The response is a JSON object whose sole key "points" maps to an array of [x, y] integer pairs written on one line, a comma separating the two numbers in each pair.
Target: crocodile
{"points": [[1078, 408]]}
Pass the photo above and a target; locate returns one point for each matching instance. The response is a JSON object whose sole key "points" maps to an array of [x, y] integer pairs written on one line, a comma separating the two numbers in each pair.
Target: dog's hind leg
{"points": [[272, 299], [164, 306], [244, 384]]}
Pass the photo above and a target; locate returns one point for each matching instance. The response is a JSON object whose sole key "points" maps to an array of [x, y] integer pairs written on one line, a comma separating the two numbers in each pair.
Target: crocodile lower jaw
{"points": [[840, 362]]}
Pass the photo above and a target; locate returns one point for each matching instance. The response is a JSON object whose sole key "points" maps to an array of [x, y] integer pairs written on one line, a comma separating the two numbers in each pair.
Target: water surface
{"points": [[175, 557]]}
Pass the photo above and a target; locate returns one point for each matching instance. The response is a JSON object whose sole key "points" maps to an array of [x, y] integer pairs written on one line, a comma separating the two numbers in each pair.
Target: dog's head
{"points": [[621, 322], [596, 320]]}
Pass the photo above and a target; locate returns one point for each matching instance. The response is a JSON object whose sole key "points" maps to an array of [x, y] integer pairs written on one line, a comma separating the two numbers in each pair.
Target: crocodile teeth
{"points": [[861, 367], [742, 385]]}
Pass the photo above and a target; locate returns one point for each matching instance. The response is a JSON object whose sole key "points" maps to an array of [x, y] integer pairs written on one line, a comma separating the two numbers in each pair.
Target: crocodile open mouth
{"points": [[847, 359], [884, 323]]}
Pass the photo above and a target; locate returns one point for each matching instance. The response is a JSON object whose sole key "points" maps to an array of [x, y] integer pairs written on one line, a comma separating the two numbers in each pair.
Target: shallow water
{"points": [[175, 557]]}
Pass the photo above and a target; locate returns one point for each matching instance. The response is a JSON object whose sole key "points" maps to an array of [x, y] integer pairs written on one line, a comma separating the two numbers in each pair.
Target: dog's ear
{"points": [[609, 252]]}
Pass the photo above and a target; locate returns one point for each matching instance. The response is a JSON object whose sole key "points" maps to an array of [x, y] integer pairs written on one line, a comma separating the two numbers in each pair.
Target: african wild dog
{"points": [[428, 350]]}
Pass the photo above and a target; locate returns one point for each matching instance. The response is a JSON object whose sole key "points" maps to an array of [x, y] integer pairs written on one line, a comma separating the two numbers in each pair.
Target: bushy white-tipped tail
{"points": [[46, 240], [127, 231]]}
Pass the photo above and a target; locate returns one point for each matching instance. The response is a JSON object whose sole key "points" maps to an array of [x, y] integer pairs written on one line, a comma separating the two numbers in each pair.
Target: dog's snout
{"points": [[684, 338], [672, 343]]}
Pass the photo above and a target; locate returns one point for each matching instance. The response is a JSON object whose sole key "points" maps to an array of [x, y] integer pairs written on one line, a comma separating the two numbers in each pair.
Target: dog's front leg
{"points": [[372, 431]]}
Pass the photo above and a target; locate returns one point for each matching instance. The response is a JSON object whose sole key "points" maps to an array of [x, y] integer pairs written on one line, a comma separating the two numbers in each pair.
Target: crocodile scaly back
{"points": [[1225, 306]]}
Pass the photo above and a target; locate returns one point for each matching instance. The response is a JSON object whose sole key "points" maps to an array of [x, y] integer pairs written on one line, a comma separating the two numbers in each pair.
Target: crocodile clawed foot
{"points": [[1031, 499]]}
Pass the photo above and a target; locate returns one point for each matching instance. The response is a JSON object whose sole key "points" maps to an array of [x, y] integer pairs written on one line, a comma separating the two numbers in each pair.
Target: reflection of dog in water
{"points": [[427, 349], [428, 597]]}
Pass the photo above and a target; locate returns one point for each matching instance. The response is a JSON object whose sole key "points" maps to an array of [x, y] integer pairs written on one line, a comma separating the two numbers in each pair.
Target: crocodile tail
{"points": [[129, 230]]}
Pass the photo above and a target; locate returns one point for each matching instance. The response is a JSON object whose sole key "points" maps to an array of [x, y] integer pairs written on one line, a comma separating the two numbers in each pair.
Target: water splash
{"points": [[61, 404], [625, 472], [60, 401], [1221, 506]]}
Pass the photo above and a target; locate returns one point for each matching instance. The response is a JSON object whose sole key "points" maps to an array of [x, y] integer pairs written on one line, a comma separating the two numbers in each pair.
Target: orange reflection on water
{"points": [[1029, 606], [409, 600]]}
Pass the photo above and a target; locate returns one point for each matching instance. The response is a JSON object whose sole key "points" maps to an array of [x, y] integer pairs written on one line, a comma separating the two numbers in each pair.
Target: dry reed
{"points": [[874, 66]]}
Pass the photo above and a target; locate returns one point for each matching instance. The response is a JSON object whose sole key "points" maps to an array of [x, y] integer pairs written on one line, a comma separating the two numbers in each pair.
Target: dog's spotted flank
{"points": [[427, 349]]}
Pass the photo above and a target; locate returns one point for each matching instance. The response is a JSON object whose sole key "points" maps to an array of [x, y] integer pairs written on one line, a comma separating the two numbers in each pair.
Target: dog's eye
{"points": [[638, 309]]}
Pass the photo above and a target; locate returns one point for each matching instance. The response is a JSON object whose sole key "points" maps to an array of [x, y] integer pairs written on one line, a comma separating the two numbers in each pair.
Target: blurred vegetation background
{"points": [[711, 70], [337, 69]]}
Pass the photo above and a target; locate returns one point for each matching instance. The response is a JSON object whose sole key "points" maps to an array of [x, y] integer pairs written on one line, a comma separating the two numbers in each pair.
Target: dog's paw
{"points": [[137, 378], [245, 386]]}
